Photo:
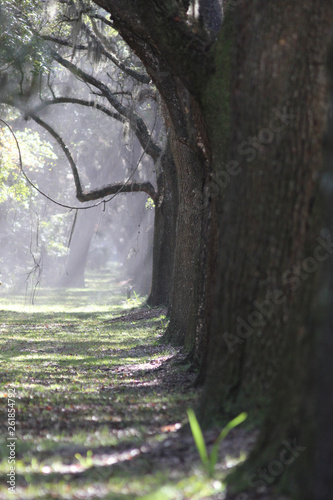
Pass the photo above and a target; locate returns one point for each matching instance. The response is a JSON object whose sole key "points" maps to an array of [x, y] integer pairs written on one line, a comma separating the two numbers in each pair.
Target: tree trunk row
{"points": [[246, 118]]}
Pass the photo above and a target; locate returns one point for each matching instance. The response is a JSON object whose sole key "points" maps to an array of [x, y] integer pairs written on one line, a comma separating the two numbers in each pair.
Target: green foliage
{"points": [[22, 52], [164, 321], [136, 300], [85, 461], [150, 205], [37, 154], [209, 462]]}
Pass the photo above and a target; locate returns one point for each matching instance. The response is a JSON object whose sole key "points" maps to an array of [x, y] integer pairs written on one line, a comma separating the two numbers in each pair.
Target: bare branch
{"points": [[130, 187], [137, 124], [82, 102], [103, 19], [65, 149], [33, 185], [97, 194], [62, 42]]}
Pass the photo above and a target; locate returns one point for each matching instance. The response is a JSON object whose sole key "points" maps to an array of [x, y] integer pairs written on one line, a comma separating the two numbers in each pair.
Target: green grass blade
{"points": [[198, 437], [233, 423]]}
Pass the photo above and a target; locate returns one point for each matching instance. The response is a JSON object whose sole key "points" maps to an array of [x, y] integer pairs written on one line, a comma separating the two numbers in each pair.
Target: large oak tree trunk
{"points": [[268, 222], [189, 268], [270, 243]]}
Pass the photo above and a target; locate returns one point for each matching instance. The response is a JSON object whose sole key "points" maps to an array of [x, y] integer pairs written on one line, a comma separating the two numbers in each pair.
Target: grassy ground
{"points": [[100, 404]]}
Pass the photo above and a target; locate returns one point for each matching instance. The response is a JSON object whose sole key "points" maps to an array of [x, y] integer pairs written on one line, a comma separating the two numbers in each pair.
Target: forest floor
{"points": [[100, 403]]}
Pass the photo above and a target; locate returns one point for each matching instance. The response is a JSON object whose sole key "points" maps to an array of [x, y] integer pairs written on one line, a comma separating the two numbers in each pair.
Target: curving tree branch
{"points": [[136, 122], [103, 19], [95, 194], [120, 187], [56, 136], [64, 43], [84, 196], [81, 102]]}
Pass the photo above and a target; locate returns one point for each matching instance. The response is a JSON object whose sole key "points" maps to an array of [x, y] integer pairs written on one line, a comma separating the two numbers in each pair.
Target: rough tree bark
{"points": [[320, 456], [270, 242], [166, 208], [268, 218]]}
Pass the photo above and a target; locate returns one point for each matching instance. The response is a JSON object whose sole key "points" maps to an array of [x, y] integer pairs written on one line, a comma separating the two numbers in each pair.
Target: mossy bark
{"points": [[261, 343]]}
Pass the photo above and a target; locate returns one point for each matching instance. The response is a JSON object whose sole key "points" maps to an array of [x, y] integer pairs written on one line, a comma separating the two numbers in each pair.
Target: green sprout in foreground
{"points": [[209, 462]]}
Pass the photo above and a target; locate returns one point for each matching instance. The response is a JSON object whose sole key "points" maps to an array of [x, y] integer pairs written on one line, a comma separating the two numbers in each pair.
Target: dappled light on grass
{"points": [[100, 407]]}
